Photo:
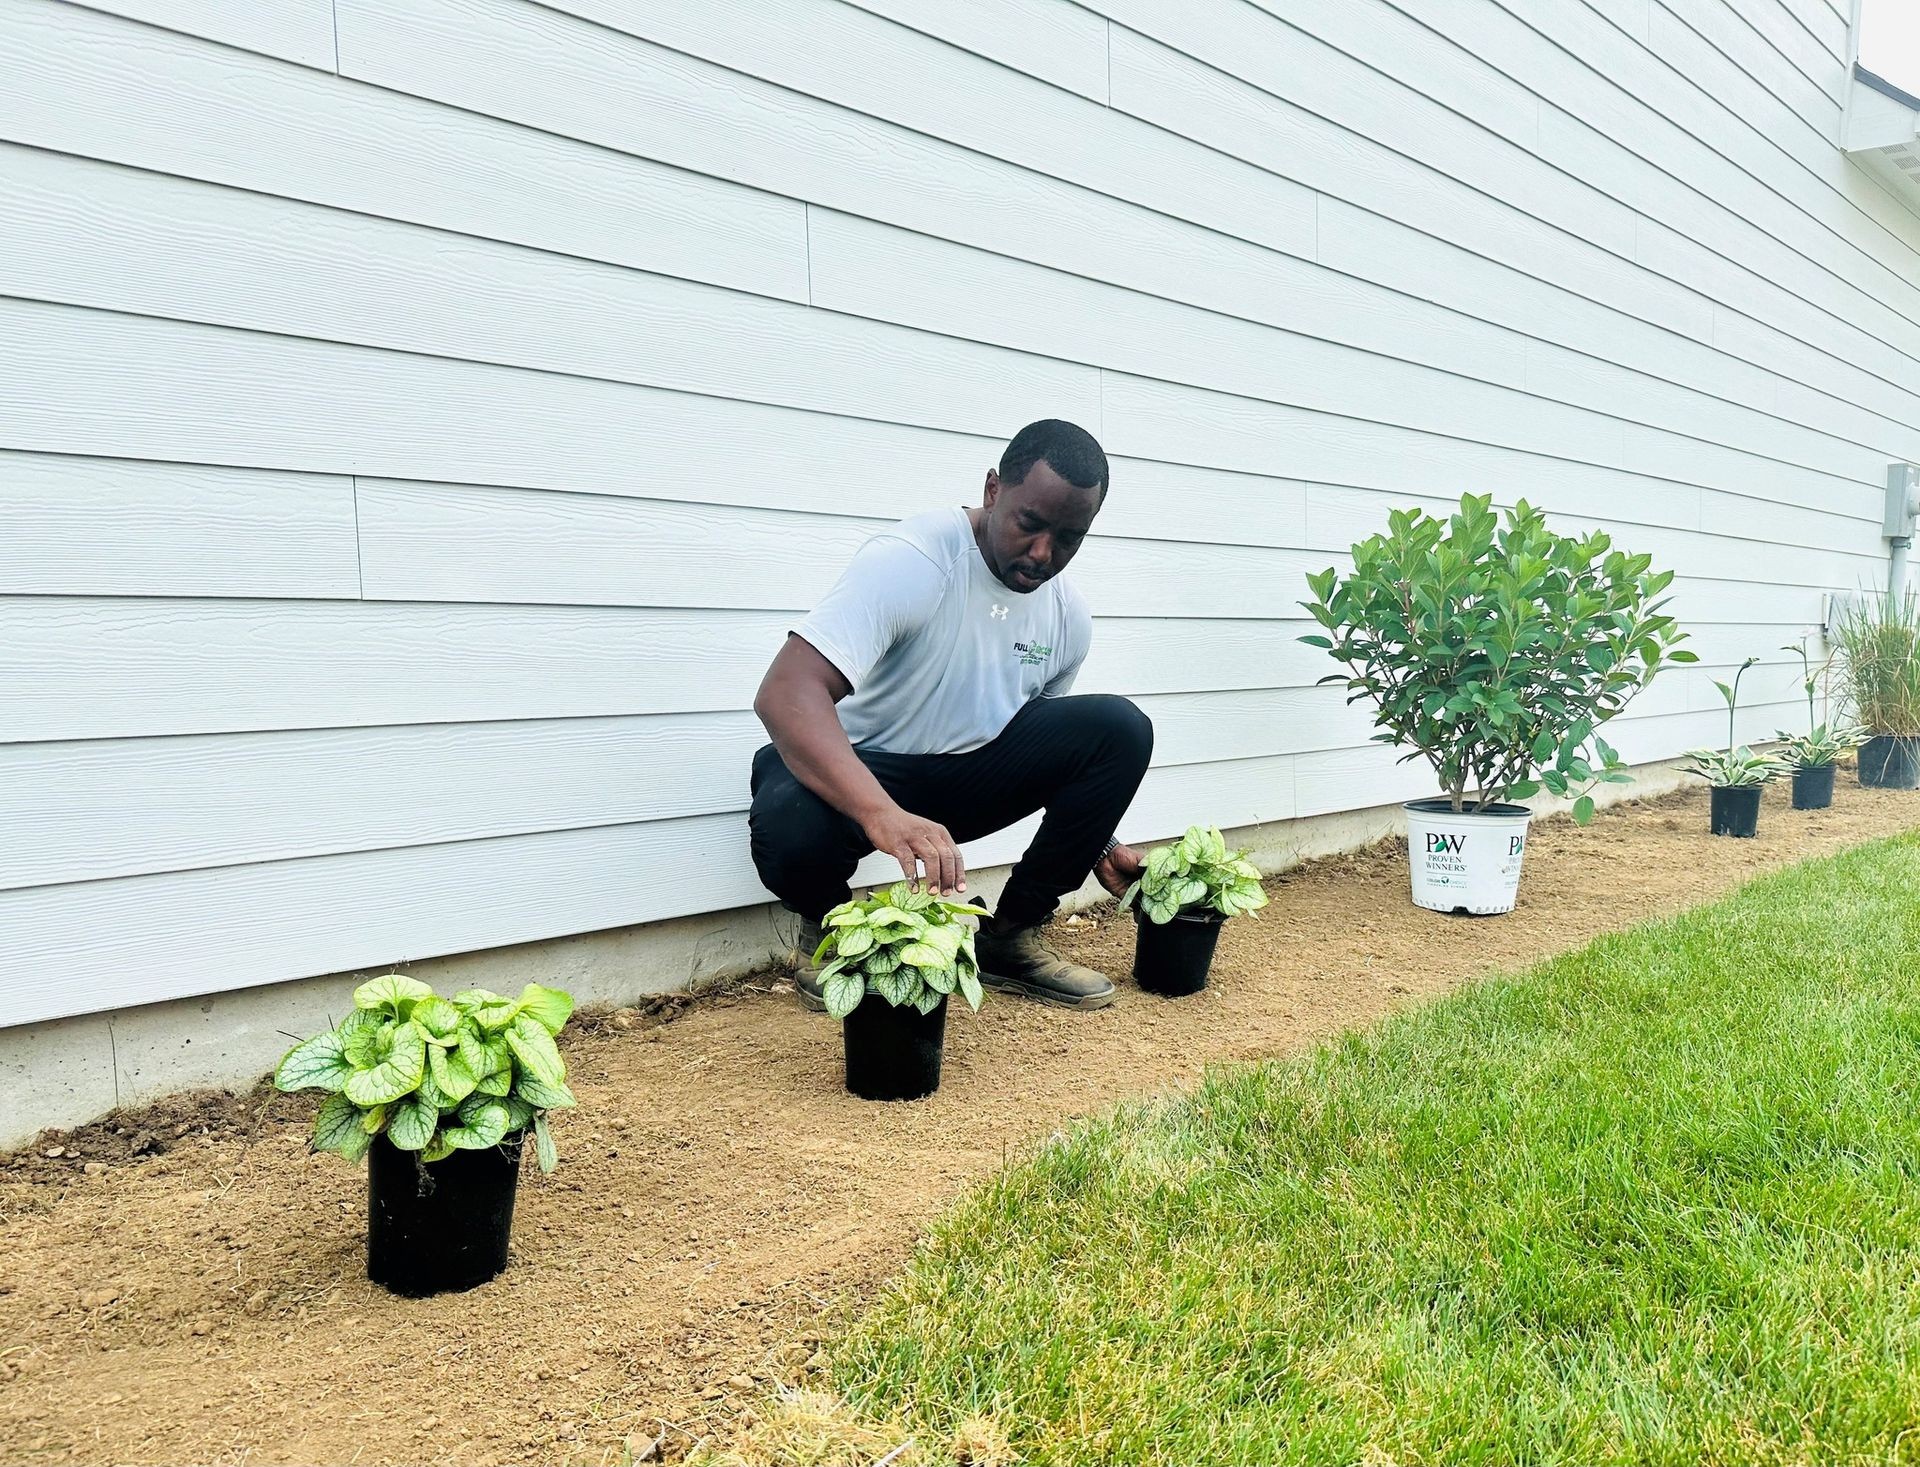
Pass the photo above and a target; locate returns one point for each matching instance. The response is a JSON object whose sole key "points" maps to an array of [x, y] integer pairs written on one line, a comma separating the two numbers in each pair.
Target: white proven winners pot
{"points": [[1466, 862]]}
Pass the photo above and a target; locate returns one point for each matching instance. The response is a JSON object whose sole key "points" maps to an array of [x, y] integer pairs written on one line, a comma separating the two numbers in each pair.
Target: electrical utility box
{"points": [[1903, 499]]}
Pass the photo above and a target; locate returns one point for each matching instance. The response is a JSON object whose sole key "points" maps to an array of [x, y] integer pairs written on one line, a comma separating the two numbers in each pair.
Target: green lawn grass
{"points": [[1657, 1200]]}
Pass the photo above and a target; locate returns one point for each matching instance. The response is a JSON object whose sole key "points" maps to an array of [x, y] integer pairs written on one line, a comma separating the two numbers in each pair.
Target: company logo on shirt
{"points": [[999, 613], [1032, 654]]}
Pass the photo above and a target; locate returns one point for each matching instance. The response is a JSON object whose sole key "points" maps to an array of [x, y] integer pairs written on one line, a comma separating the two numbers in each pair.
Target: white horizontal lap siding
{"points": [[1485, 193], [790, 141], [293, 30], [93, 526], [144, 243], [81, 83], [108, 669], [406, 474], [1739, 32], [868, 269], [1825, 21], [1690, 56], [89, 381], [433, 542], [105, 808], [1477, 104], [430, 542], [1668, 149], [119, 668], [1058, 43], [75, 381], [787, 139], [1673, 104]]}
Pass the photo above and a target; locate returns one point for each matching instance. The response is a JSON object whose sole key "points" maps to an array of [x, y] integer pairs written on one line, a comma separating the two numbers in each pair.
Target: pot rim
{"points": [[889, 1003], [1207, 914], [1441, 805]]}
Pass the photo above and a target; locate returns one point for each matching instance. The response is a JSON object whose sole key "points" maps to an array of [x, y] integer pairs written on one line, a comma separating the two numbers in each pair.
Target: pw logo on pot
{"points": [[1453, 845]]}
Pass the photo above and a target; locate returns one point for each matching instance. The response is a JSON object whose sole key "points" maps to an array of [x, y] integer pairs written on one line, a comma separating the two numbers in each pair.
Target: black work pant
{"points": [[1079, 759]]}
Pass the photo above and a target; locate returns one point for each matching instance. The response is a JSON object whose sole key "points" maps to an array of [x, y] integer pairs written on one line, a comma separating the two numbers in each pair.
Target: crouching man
{"points": [[925, 703]]}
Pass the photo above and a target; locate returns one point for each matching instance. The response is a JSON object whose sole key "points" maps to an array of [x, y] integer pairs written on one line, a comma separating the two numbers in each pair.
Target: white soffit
{"points": [[1883, 134]]}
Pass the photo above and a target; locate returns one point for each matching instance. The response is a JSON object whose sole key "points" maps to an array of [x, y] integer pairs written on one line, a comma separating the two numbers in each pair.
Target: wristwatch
{"points": [[1110, 847]]}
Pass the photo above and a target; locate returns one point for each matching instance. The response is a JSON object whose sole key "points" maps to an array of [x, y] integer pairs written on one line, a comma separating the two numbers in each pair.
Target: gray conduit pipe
{"points": [[1903, 503]]}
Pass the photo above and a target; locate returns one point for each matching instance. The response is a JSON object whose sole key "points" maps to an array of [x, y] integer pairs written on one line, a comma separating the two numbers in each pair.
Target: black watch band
{"points": [[1110, 847]]}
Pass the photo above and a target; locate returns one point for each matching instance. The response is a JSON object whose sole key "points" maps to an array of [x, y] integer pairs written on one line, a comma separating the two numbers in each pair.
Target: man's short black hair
{"points": [[1068, 449]]}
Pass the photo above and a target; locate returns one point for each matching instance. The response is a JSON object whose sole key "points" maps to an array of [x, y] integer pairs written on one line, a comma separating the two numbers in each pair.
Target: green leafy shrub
{"points": [[1825, 739], [1495, 650], [1195, 873], [1880, 661], [1733, 766], [435, 1075], [910, 947]]}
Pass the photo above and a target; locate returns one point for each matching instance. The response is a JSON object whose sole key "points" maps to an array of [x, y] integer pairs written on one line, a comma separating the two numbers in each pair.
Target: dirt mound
{"points": [[184, 1283]]}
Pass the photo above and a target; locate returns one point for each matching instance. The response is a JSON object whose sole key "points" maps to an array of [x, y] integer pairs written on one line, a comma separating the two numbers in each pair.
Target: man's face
{"points": [[1031, 530]]}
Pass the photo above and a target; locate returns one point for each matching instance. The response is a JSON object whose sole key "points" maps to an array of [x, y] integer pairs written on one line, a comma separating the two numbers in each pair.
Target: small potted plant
{"points": [[1880, 672], [890, 963], [438, 1095], [1735, 775], [1811, 755], [1185, 894], [1494, 649]]}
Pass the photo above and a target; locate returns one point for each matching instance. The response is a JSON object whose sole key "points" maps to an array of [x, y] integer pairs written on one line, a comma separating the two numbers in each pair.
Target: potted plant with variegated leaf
{"points": [[438, 1096], [892, 960], [1812, 755], [1187, 891], [1735, 775]]}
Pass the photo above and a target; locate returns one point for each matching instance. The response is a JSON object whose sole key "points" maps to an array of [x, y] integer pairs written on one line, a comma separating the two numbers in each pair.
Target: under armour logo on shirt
{"points": [[999, 613]]}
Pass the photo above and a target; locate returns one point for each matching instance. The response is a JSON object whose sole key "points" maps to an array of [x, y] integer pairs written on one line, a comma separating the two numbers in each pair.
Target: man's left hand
{"points": [[1119, 869]]}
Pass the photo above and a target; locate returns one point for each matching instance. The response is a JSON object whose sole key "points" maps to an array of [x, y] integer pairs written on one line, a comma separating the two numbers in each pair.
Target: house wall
{"points": [[420, 420]]}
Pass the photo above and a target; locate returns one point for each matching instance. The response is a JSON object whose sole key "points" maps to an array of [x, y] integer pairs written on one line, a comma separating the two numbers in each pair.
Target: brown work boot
{"points": [[1018, 960], [806, 972]]}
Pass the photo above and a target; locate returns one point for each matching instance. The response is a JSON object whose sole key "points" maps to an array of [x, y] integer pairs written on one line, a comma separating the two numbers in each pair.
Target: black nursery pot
{"points": [[1812, 786], [1172, 958], [440, 1226], [1890, 762], [893, 1050], [1736, 809]]}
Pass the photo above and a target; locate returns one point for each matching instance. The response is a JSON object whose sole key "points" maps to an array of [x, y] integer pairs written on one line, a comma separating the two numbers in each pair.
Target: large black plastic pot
{"points": [[1890, 762], [1812, 786], [1172, 958], [1735, 809], [893, 1051], [440, 1226]]}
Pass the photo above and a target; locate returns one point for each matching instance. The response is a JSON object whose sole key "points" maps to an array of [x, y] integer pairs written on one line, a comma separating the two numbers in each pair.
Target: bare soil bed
{"points": [[184, 1284]]}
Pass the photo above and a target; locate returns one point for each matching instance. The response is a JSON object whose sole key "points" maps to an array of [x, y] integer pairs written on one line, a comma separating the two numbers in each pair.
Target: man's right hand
{"points": [[919, 845]]}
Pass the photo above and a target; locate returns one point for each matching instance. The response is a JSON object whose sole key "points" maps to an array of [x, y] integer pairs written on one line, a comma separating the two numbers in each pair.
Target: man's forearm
{"points": [[796, 704], [806, 730]]}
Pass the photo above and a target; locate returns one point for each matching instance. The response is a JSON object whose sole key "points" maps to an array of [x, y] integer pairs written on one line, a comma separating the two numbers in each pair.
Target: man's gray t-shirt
{"points": [[939, 653]]}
